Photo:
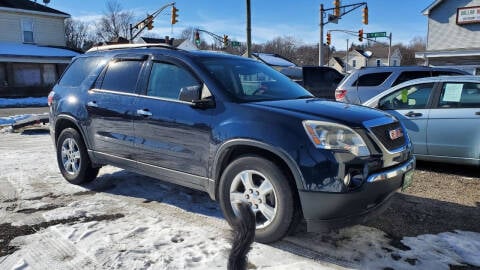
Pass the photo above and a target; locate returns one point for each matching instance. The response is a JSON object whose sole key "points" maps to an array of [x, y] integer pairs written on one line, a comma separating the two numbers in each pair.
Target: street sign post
{"points": [[376, 34], [235, 44]]}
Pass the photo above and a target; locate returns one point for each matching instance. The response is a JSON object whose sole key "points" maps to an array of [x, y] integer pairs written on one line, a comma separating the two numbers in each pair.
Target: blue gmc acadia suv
{"points": [[230, 126]]}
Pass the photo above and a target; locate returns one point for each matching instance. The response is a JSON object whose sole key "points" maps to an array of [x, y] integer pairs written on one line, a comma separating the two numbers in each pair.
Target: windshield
{"points": [[249, 80]]}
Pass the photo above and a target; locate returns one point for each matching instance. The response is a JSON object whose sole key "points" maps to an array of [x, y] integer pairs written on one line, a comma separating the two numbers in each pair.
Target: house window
{"points": [[354, 63], [27, 74], [379, 62], [49, 74], [395, 63], [27, 29]]}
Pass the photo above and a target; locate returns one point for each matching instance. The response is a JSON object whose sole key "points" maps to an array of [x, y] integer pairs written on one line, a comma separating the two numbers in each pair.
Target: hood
{"points": [[348, 114]]}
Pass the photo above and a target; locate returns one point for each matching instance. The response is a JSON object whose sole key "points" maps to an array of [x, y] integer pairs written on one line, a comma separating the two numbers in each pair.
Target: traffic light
{"points": [[329, 39], [365, 15], [197, 38], [360, 35], [336, 11], [174, 15], [225, 40], [149, 22]]}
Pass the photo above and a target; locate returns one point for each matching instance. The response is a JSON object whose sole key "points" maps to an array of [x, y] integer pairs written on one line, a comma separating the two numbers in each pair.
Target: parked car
{"points": [[320, 81], [230, 126], [441, 114], [365, 83]]}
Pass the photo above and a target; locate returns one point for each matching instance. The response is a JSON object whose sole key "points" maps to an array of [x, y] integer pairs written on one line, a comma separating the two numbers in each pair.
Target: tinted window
{"points": [[372, 79], [446, 73], [122, 76], [460, 95], [410, 75], [166, 80], [249, 80], [410, 97], [79, 70]]}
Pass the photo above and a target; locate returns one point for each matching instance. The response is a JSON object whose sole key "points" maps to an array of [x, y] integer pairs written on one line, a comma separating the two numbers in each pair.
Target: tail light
{"points": [[340, 94], [50, 98]]}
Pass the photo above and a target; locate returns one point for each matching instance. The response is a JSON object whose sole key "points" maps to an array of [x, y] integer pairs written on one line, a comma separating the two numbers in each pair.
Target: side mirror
{"points": [[189, 93], [192, 94]]}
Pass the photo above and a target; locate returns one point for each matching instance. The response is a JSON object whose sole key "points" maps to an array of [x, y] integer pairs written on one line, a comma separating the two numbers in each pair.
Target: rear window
{"points": [[446, 73], [410, 75], [372, 79], [122, 76], [78, 71]]}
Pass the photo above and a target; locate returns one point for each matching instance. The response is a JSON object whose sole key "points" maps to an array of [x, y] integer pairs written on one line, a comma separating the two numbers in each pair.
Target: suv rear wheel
{"points": [[263, 185], [72, 158]]}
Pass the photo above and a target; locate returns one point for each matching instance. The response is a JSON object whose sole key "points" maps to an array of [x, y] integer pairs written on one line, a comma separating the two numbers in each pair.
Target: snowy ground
{"points": [[23, 102], [127, 221]]}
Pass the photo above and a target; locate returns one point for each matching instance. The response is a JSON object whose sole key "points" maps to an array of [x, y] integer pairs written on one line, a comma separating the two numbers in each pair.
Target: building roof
{"points": [[431, 6], [339, 61], [273, 59], [30, 6], [30, 50]]}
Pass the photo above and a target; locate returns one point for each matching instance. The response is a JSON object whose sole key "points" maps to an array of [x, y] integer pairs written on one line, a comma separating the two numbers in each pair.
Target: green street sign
{"points": [[235, 44], [376, 34]]}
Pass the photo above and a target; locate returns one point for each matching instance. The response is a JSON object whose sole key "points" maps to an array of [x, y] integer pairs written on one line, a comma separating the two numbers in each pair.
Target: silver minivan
{"points": [[441, 115], [364, 83]]}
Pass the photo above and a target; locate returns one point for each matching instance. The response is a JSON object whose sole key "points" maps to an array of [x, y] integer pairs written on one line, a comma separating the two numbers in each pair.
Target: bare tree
{"points": [[187, 33], [284, 46], [417, 44], [78, 34], [115, 22]]}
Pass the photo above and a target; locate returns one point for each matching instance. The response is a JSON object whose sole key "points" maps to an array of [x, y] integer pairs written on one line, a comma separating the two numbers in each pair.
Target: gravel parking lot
{"points": [[442, 197]]}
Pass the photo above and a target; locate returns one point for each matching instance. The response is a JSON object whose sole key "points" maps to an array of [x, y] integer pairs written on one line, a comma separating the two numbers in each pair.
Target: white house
{"points": [[372, 57], [453, 37], [32, 48]]}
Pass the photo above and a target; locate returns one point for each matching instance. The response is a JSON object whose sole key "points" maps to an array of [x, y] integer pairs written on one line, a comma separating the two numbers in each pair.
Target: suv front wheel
{"points": [[72, 158], [263, 185]]}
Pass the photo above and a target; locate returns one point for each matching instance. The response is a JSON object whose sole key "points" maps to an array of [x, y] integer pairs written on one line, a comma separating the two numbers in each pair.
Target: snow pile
{"points": [[23, 102]]}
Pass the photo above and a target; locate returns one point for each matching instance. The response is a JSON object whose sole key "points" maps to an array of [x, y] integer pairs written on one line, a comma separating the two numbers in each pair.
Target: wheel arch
{"points": [[66, 121], [233, 149]]}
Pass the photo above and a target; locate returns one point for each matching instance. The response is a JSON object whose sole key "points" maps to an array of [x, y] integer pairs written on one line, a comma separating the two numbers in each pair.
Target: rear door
{"points": [[110, 106], [454, 122], [410, 105], [171, 134]]}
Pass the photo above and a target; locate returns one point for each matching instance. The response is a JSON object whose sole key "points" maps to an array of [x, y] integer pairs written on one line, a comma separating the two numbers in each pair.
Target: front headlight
{"points": [[333, 136]]}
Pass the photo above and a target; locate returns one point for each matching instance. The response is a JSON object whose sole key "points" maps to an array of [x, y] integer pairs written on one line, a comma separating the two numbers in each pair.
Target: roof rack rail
{"points": [[128, 46]]}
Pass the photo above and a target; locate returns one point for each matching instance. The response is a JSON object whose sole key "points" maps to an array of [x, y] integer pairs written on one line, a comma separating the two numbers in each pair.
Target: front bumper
{"points": [[323, 211]]}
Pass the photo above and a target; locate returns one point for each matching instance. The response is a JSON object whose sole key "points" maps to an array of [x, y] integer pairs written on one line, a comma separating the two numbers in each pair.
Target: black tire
{"points": [[74, 162], [284, 218]]}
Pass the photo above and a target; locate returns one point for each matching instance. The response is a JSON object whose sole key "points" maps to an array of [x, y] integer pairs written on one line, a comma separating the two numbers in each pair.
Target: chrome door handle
{"points": [[477, 113], [144, 112], [92, 104]]}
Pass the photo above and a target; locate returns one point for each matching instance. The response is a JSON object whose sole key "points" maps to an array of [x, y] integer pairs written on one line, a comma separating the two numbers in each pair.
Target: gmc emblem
{"points": [[395, 133]]}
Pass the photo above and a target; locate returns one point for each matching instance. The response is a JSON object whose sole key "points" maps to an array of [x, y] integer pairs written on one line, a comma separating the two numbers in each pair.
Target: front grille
{"points": [[383, 134]]}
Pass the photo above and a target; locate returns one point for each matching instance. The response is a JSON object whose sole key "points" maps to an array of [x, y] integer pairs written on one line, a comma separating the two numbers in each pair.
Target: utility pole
{"points": [[346, 57], [249, 31], [389, 48], [320, 45]]}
